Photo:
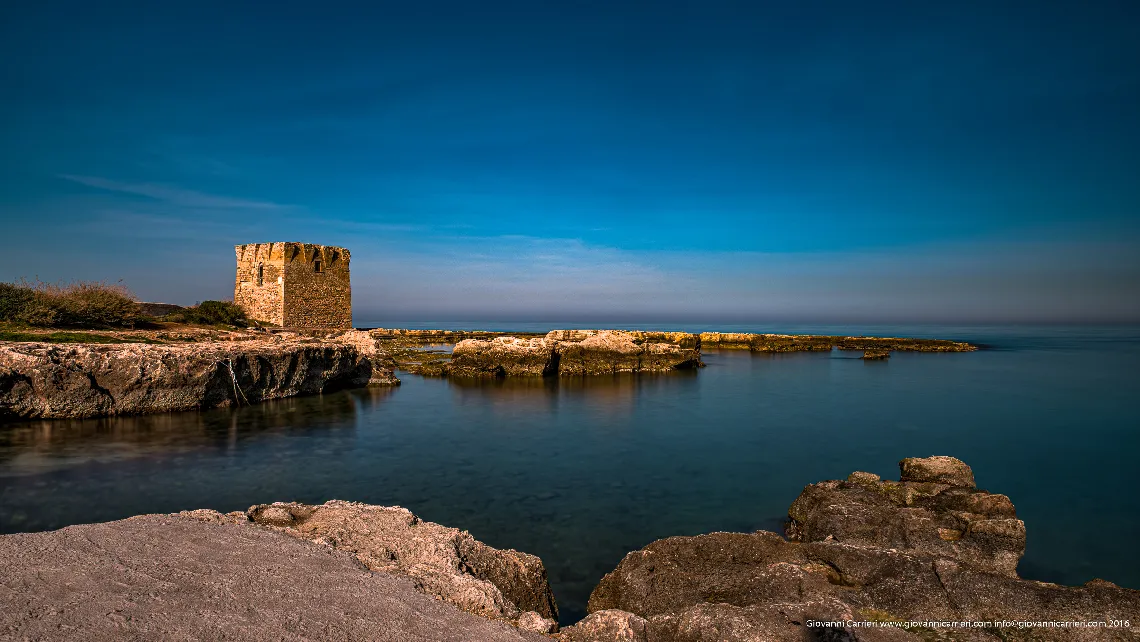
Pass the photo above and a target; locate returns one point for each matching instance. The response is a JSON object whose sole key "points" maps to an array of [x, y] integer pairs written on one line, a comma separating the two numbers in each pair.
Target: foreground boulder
{"points": [[929, 548], [576, 352], [50, 381], [172, 577], [444, 562], [935, 510]]}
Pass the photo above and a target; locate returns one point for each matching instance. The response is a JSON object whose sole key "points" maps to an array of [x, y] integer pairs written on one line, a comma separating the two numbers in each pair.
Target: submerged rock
{"points": [[444, 562], [576, 352], [929, 548], [44, 380]]}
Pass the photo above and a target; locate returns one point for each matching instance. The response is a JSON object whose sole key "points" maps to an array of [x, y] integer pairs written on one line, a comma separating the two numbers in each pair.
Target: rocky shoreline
{"points": [[54, 381], [188, 368], [893, 560]]}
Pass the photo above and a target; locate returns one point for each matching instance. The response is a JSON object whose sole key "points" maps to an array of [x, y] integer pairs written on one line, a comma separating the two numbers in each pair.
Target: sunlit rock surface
{"points": [[576, 352], [931, 547], [46, 380]]}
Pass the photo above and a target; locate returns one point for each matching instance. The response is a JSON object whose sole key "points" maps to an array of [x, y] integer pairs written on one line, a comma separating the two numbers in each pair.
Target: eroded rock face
{"points": [[932, 547], [445, 562], [609, 625], [533, 622], [935, 510], [383, 365], [44, 380], [503, 356], [576, 352]]}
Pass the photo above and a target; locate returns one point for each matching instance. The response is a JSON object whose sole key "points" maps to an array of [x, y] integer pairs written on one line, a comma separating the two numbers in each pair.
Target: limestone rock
{"points": [[600, 353], [811, 342], [502, 356], [860, 549], [200, 577], [445, 562], [535, 623], [935, 510], [575, 353], [941, 470], [51, 381], [383, 365], [609, 625]]}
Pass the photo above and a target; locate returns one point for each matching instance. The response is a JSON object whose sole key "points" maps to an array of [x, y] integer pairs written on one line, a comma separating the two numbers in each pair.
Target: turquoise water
{"points": [[581, 471]]}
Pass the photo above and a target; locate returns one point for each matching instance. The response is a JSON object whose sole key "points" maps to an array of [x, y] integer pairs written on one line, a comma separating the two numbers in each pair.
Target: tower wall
{"points": [[317, 299], [301, 285], [259, 287]]}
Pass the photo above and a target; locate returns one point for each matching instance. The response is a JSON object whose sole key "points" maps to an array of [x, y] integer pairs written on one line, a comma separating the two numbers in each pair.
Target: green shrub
{"points": [[84, 304], [14, 299], [210, 313]]}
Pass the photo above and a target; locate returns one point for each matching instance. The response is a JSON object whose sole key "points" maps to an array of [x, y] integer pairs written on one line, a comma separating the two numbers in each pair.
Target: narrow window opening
{"points": [[317, 266], [260, 273]]}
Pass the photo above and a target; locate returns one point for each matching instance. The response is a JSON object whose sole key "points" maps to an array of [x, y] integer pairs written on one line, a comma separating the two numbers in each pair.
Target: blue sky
{"points": [[736, 161]]}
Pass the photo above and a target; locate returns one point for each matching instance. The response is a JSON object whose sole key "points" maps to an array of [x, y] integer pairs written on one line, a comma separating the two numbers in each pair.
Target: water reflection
{"points": [[615, 395], [580, 471], [34, 447]]}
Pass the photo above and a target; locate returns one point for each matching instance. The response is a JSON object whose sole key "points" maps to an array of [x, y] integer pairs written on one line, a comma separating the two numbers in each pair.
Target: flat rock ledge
{"points": [[53, 381], [446, 563], [575, 353], [205, 576], [931, 547]]}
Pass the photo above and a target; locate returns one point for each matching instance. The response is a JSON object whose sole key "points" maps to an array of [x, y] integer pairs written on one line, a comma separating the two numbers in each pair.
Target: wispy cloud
{"points": [[173, 194], [525, 277]]}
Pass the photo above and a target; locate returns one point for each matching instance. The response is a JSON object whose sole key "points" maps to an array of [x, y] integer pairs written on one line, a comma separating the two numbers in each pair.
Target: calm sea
{"points": [[582, 471]]}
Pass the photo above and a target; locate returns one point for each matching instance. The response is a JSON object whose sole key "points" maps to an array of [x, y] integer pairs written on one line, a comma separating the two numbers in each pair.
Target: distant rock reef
{"points": [[193, 368], [928, 557], [595, 352]]}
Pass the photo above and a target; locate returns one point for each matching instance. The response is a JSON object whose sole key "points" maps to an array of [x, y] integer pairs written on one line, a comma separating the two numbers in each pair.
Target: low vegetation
{"points": [[68, 337], [83, 304], [210, 313]]}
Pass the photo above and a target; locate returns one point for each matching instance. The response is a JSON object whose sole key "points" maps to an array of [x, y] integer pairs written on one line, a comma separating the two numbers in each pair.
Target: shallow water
{"points": [[582, 471]]}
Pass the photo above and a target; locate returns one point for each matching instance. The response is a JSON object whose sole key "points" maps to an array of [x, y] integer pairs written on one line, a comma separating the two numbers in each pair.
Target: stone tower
{"points": [[294, 285]]}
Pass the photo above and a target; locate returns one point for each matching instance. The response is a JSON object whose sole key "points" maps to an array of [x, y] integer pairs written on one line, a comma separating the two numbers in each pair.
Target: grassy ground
{"points": [[66, 337]]}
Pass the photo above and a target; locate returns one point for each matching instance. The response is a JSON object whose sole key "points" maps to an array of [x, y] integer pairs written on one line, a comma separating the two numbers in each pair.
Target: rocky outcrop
{"points": [[502, 357], [807, 342], [575, 352], [935, 510], [608, 625], [383, 364], [44, 380], [443, 562], [876, 355], [205, 576], [928, 548]]}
